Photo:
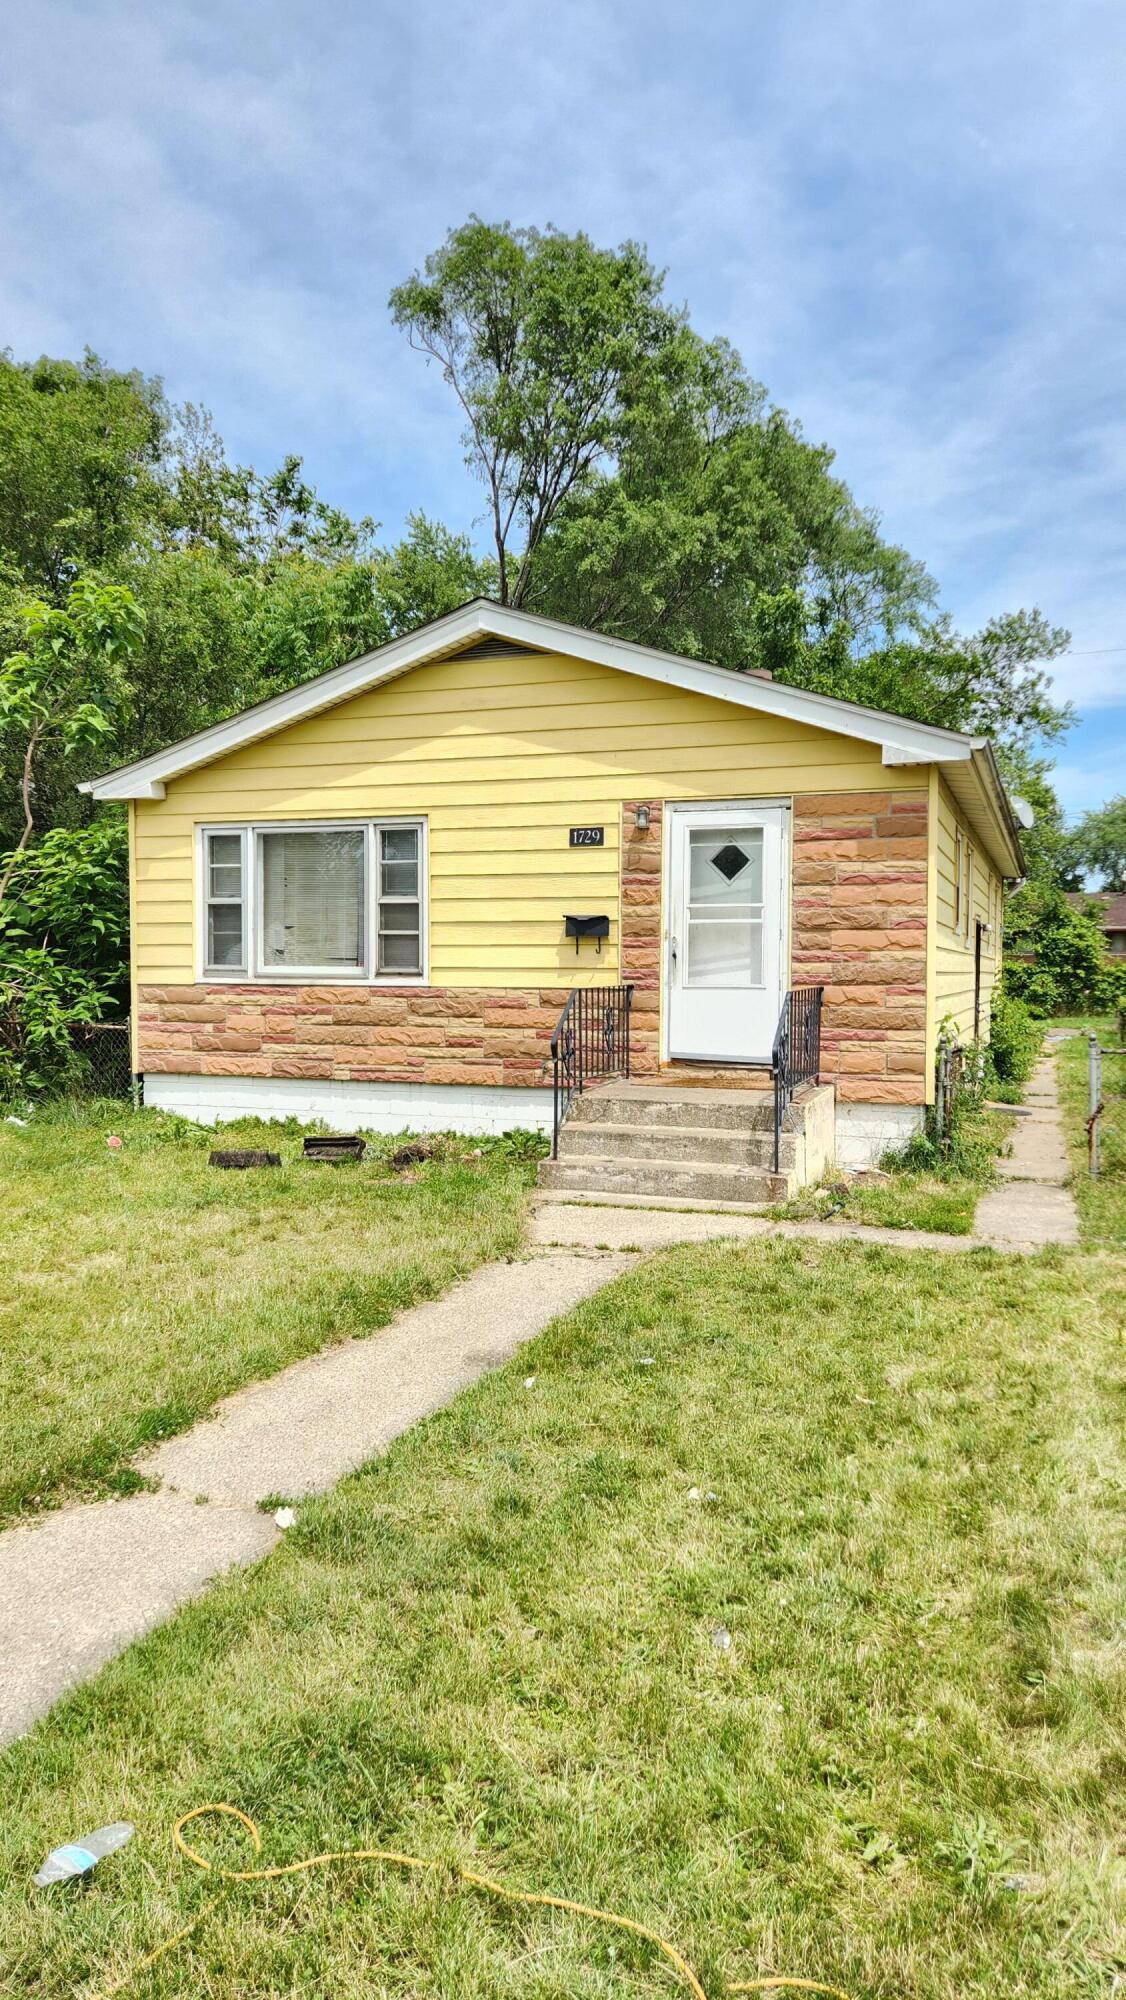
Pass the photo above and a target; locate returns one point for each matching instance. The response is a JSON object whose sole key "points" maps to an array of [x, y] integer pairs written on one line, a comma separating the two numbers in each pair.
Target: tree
{"points": [[80, 450], [67, 684], [544, 340], [1100, 844]]}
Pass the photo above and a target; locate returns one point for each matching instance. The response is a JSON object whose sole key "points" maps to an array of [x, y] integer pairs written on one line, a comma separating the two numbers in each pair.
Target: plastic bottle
{"points": [[77, 1857]]}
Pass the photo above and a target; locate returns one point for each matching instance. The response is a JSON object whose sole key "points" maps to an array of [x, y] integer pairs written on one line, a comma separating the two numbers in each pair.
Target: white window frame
{"points": [[969, 891], [959, 885], [254, 972]]}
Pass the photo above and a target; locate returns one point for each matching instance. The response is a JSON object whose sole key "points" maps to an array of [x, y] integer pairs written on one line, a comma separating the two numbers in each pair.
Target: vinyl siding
{"points": [[952, 946], [501, 756]]}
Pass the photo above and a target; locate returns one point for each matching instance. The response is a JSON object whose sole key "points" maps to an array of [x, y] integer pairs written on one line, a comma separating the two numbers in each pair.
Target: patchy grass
{"points": [[915, 1196], [906, 1776], [137, 1287], [1101, 1202]]}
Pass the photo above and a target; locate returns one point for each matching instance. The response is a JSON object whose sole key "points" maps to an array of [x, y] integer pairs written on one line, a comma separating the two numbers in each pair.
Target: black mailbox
{"points": [[584, 927]]}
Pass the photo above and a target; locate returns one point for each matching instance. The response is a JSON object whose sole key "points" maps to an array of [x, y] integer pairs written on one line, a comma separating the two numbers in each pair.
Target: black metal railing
{"points": [[591, 1040], [796, 1055]]}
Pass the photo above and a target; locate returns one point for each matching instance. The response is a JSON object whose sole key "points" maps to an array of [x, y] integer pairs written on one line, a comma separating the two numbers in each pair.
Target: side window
{"points": [[224, 862], [969, 893], [399, 899], [959, 867]]}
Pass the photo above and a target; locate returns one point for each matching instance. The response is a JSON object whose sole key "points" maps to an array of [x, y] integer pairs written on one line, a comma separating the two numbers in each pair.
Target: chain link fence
{"points": [[107, 1060]]}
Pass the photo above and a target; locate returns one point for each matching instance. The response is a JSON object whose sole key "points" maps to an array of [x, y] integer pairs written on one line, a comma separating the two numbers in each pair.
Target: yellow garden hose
{"points": [[392, 1859]]}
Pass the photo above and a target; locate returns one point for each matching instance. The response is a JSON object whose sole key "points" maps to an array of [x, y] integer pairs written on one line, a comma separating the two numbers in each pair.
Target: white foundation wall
{"points": [[866, 1131], [347, 1107]]}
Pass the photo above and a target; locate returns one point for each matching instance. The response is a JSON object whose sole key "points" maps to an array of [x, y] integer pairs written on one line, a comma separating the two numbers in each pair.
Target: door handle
{"points": [[672, 949]]}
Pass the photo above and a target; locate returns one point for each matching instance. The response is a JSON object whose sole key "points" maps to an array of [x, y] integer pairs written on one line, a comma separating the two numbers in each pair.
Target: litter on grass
{"points": [[77, 1857], [284, 1517]]}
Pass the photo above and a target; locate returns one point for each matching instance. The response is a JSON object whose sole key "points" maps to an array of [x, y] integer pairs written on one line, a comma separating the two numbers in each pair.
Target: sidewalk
{"points": [[1034, 1207]]}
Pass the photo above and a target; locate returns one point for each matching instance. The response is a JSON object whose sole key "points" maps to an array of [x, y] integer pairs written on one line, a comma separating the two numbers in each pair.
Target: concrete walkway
{"points": [[77, 1586], [1033, 1207], [592, 1226]]}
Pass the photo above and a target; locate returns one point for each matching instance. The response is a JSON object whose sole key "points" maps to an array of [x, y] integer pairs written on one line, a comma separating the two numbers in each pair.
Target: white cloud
{"points": [[908, 220]]}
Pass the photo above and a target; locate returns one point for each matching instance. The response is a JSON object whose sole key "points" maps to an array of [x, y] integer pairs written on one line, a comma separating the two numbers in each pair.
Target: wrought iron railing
{"points": [[796, 1055], [591, 1040]]}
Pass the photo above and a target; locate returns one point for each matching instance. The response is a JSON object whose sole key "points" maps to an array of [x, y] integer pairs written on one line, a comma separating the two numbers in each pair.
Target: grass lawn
{"points": [[916, 1198], [1102, 1202], [139, 1286], [895, 1479]]}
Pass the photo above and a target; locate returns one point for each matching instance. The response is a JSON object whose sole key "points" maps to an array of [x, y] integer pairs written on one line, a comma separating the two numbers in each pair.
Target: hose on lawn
{"points": [[390, 1858]]}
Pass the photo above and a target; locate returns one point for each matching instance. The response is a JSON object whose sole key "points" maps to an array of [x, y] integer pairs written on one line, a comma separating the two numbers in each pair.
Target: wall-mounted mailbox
{"points": [[587, 927]]}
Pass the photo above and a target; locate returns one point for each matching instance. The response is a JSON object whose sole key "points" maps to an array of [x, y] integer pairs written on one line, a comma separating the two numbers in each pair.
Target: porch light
{"points": [[641, 818]]}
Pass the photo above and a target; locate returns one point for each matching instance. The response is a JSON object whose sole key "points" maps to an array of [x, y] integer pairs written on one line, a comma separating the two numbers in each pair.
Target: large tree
{"points": [[1100, 844], [639, 481], [546, 343]]}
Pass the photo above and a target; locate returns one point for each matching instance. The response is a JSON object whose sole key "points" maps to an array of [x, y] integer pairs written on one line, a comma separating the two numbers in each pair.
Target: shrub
{"points": [[42, 1001], [1014, 1039], [1056, 958], [69, 895]]}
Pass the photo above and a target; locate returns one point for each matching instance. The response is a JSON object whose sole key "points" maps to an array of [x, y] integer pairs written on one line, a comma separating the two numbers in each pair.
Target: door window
{"points": [[724, 944]]}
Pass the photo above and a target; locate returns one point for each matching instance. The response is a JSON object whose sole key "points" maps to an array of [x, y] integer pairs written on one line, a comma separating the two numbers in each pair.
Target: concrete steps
{"points": [[722, 1147], [690, 1144], [688, 1180]]}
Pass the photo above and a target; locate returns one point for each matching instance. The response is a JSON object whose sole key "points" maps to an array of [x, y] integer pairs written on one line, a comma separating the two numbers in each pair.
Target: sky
{"points": [[908, 218]]}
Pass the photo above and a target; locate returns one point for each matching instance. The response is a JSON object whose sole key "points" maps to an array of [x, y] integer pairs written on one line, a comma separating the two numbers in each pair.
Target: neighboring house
{"points": [[1110, 911], [352, 902]]}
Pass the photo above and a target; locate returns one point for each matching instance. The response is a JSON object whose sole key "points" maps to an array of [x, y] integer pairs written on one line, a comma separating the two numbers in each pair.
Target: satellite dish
{"points": [[1025, 815]]}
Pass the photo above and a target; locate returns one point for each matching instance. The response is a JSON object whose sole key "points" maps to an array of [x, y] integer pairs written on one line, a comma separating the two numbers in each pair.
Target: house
{"points": [[1109, 910], [368, 899]]}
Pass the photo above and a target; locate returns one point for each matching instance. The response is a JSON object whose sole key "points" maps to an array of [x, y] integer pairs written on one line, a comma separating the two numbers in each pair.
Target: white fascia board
{"points": [[907, 741]]}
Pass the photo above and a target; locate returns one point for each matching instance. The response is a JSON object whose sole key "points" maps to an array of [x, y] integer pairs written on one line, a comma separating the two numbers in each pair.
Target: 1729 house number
{"points": [[588, 836]]}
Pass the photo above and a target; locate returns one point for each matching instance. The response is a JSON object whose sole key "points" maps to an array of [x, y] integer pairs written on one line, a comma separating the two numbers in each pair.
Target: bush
{"points": [[42, 1002], [1056, 959], [69, 895], [1014, 1039]]}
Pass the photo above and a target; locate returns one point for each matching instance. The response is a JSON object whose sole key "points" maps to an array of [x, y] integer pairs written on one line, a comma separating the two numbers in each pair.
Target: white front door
{"points": [[726, 927]]}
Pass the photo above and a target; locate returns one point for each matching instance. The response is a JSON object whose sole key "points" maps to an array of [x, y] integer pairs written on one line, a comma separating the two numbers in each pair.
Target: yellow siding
{"points": [[501, 756], [952, 944]]}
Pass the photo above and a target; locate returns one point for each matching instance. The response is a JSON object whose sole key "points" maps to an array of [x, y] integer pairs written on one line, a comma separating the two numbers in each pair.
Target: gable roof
{"points": [[968, 761]]}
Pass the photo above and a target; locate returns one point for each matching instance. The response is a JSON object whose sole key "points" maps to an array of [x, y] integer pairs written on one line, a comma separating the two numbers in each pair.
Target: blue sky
{"points": [[909, 219]]}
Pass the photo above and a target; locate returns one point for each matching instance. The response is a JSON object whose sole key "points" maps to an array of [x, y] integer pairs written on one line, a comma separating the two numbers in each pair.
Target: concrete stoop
{"points": [[690, 1144]]}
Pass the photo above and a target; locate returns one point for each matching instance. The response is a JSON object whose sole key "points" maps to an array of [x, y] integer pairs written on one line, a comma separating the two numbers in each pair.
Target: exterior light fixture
{"points": [[641, 818]]}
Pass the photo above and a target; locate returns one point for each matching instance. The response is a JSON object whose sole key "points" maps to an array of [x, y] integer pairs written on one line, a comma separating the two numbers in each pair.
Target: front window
{"points": [[309, 901], [312, 899]]}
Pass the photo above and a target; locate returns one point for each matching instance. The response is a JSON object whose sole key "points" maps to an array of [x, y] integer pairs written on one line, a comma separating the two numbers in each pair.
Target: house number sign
{"points": [[588, 836]]}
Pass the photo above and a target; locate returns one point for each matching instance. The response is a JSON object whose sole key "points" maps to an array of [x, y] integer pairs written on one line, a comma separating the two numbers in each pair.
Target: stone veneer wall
{"points": [[353, 1034], [641, 932], [858, 928]]}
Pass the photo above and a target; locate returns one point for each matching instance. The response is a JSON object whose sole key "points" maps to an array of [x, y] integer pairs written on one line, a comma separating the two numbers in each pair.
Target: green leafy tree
{"points": [[81, 446], [1056, 958], [1100, 844], [67, 683], [543, 339]]}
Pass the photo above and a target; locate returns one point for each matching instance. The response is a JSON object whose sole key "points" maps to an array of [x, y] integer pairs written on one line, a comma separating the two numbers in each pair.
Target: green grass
{"points": [[138, 1287], [906, 1777], [913, 1197], [1101, 1202]]}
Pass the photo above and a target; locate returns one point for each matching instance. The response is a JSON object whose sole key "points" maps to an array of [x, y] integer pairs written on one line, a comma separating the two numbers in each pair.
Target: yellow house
{"points": [[369, 899]]}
